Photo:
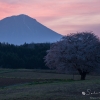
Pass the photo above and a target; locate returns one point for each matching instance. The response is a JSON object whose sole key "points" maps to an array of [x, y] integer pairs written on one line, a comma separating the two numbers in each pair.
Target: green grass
{"points": [[47, 85], [52, 91]]}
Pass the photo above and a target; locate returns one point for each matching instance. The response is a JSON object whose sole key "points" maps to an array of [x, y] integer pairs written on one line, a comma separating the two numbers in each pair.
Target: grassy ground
{"points": [[46, 85]]}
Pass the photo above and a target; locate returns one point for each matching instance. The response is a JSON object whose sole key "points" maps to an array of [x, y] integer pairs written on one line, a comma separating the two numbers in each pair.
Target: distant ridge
{"points": [[22, 28]]}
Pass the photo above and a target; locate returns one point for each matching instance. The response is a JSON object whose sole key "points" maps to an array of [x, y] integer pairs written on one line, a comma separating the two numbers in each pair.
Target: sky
{"points": [[62, 16]]}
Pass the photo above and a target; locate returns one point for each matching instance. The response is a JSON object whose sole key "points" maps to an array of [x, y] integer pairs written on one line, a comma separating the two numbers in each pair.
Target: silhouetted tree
{"points": [[80, 51], [23, 56]]}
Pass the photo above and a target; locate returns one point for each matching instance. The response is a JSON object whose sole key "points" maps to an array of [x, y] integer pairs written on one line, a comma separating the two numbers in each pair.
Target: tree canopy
{"points": [[29, 56], [80, 51]]}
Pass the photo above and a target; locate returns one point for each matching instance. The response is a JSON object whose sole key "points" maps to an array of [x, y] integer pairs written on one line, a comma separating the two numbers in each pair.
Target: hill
{"points": [[22, 28]]}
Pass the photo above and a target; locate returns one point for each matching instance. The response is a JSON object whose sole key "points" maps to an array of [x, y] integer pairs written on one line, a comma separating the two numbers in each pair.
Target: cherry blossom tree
{"points": [[80, 51]]}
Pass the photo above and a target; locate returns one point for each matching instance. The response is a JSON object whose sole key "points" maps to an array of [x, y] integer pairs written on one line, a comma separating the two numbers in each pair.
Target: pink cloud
{"points": [[67, 29]]}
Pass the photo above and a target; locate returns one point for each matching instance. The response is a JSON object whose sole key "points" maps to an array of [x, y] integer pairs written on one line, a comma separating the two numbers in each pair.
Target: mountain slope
{"points": [[22, 28]]}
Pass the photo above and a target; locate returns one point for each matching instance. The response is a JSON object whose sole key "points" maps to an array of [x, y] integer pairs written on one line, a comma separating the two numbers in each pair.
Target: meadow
{"points": [[36, 84]]}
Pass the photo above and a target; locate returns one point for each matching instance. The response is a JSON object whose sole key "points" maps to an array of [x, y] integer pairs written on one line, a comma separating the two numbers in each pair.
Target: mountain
{"points": [[22, 28]]}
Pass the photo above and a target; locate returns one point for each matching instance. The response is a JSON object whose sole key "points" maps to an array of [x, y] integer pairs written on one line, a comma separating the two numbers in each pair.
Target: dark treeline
{"points": [[29, 56]]}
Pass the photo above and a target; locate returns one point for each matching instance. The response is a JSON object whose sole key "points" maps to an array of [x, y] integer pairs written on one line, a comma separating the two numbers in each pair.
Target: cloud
{"points": [[9, 1]]}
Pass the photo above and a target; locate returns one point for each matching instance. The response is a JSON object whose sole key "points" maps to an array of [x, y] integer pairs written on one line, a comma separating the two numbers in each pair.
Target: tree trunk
{"points": [[83, 76]]}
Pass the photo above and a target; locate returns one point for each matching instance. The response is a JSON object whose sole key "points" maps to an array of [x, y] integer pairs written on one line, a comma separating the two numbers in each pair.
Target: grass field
{"points": [[27, 84]]}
